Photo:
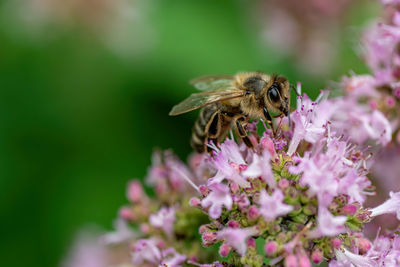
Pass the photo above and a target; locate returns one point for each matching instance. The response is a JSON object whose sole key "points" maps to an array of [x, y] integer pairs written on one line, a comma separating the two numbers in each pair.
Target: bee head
{"points": [[277, 95]]}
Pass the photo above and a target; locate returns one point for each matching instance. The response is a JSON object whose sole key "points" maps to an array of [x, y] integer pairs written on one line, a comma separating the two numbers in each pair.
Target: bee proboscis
{"points": [[231, 100]]}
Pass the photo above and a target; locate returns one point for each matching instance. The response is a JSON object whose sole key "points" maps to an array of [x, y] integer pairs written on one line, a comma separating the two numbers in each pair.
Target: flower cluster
{"points": [[380, 91], [295, 198]]}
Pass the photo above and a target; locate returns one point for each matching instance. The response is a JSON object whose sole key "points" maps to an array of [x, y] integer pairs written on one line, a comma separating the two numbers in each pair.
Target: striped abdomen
{"points": [[199, 133]]}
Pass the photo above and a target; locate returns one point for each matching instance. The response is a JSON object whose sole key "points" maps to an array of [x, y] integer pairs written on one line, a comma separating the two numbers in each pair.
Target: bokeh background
{"points": [[86, 87]]}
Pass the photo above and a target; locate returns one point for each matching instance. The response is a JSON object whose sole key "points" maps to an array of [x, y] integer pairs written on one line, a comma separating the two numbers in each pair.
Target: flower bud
{"points": [[224, 250], [267, 143], [363, 216], [390, 102], [336, 242], [135, 191], [144, 228], [204, 190], [317, 256], [161, 244], [270, 248], [283, 184], [233, 224], [251, 243], [363, 245], [397, 92], [126, 213], [208, 238], [372, 104], [242, 167], [234, 188], [202, 229], [194, 202], [349, 209], [253, 213]]}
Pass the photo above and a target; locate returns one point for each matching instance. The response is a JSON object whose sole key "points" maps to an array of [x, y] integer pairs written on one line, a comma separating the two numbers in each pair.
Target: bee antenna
{"points": [[294, 89]]}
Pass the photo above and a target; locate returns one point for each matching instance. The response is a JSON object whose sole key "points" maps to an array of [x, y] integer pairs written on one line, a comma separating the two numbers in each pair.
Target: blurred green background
{"points": [[80, 117]]}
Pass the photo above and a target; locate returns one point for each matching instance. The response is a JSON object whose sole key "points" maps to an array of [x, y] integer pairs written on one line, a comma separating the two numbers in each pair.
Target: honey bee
{"points": [[231, 100]]}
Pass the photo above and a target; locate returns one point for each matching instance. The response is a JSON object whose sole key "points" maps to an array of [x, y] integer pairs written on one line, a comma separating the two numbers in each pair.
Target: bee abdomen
{"points": [[199, 135]]}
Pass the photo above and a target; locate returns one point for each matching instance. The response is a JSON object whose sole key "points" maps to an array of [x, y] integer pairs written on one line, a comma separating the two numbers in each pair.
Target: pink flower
{"points": [[353, 185], [171, 258], [347, 258], [236, 238], [386, 250], [308, 125], [318, 175], [328, 172], [272, 206], [122, 233], [216, 199], [327, 224], [227, 161], [231, 151], [360, 85], [145, 250], [354, 120], [164, 219], [392, 205], [260, 167], [377, 127]]}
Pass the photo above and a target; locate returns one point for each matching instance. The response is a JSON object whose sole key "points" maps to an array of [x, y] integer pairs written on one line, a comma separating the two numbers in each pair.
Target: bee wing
{"points": [[212, 83], [202, 99]]}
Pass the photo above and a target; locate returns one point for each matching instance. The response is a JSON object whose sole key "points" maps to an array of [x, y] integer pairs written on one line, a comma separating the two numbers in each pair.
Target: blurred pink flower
{"points": [[392, 205], [88, 252], [216, 199], [171, 258], [272, 206], [146, 250], [227, 161], [260, 167], [164, 219], [236, 238], [123, 232], [327, 224]]}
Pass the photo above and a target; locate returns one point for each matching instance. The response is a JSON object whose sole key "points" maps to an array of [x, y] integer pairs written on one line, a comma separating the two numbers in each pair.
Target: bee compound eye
{"points": [[273, 94]]}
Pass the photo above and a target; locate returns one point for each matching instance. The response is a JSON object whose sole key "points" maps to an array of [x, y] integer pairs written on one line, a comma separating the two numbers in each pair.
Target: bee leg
{"points": [[213, 129], [269, 120], [242, 131]]}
